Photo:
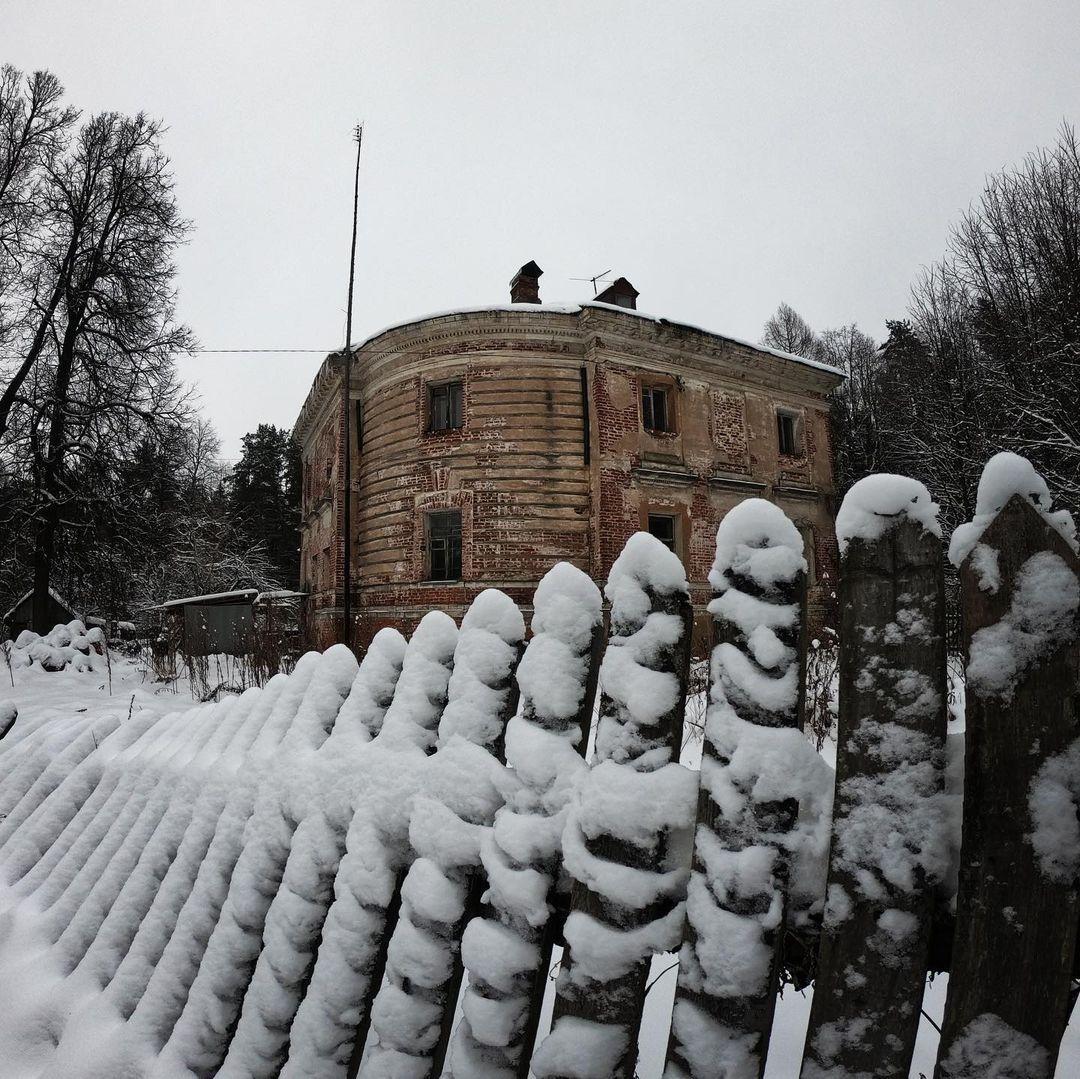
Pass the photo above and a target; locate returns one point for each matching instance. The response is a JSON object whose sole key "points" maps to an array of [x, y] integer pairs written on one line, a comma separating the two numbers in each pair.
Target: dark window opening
{"points": [[662, 526], [444, 407], [444, 545], [359, 425], [655, 409], [786, 434]]}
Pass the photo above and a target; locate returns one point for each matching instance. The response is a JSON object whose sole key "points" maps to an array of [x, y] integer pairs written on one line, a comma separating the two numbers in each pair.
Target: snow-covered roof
{"points": [[329, 372], [26, 595], [213, 597], [576, 308]]}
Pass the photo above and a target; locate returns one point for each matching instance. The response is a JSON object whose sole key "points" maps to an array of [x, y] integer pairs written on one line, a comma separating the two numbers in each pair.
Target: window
{"points": [[444, 545], [787, 434], [359, 426], [655, 409], [444, 407], [662, 526]]}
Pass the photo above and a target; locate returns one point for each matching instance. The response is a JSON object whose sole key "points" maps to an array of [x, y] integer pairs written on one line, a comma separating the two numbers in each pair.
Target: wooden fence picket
{"points": [[730, 960], [428, 648], [552, 932], [433, 1001], [1016, 923], [508, 970], [607, 1010], [889, 785]]}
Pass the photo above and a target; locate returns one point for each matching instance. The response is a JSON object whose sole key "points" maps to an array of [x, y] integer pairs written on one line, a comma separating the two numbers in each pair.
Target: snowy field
{"points": [[117, 686], [69, 695]]}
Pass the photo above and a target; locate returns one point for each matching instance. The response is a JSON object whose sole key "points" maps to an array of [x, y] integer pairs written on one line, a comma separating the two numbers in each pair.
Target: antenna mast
{"points": [[346, 411], [598, 277]]}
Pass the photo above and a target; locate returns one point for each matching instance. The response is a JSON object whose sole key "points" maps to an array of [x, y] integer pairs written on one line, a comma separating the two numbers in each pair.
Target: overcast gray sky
{"points": [[723, 156]]}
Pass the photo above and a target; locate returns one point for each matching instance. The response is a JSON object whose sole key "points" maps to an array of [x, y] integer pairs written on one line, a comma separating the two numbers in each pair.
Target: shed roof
{"points": [[239, 595], [52, 592]]}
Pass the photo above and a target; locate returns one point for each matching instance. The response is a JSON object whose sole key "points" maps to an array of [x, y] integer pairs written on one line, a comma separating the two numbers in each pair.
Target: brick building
{"points": [[490, 443]]}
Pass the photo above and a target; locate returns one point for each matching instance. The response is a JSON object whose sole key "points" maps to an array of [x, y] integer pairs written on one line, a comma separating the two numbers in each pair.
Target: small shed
{"points": [[211, 625], [21, 615]]}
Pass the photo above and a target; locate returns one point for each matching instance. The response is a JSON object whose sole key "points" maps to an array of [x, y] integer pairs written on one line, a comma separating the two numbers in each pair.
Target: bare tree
{"points": [[1017, 255], [102, 355], [788, 331], [33, 128], [855, 404]]}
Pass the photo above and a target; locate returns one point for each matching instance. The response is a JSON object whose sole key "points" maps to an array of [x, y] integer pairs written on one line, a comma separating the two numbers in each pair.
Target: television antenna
{"points": [[593, 280]]}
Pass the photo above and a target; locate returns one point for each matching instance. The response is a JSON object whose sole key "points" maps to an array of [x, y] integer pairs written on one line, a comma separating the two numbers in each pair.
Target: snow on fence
{"points": [[365, 870]]}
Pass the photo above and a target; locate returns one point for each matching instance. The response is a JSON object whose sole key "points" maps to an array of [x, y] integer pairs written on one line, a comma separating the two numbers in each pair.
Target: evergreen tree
{"points": [[264, 497]]}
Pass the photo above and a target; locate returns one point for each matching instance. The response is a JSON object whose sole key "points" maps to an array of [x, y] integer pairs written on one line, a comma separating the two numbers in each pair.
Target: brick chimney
{"points": [[525, 287], [620, 293]]}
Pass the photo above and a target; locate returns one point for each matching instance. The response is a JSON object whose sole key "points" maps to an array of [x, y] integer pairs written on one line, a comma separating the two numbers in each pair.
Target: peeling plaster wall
{"points": [[517, 469]]}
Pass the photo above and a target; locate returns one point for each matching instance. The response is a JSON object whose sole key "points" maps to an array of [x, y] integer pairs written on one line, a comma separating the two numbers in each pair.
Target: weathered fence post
{"points": [[232, 951], [1017, 904], [321, 1037], [368, 886], [755, 758], [508, 954], [626, 841], [888, 838], [414, 1011]]}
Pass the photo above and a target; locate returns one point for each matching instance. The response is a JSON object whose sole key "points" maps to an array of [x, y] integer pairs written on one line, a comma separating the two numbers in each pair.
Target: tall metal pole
{"points": [[346, 411]]}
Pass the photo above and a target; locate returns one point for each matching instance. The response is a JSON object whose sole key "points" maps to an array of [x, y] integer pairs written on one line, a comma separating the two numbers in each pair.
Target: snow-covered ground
{"points": [[70, 694], [114, 684]]}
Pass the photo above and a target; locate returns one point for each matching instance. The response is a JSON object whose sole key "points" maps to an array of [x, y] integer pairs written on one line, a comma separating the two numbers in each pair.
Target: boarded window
{"points": [[444, 545], [787, 434], [655, 409], [444, 407], [664, 527]]}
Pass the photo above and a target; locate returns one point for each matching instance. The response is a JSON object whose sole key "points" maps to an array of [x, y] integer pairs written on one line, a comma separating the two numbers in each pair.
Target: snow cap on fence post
{"points": [[1006, 475], [641, 674], [487, 652], [758, 572], [361, 715], [324, 697], [626, 840], [507, 955], [757, 771], [420, 695], [877, 503]]}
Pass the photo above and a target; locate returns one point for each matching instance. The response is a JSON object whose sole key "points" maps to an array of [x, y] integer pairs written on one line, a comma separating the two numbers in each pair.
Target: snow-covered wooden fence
{"points": [[365, 870]]}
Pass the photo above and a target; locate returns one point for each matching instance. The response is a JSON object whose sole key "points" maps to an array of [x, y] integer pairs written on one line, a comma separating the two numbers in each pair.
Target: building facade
{"points": [[487, 444]]}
